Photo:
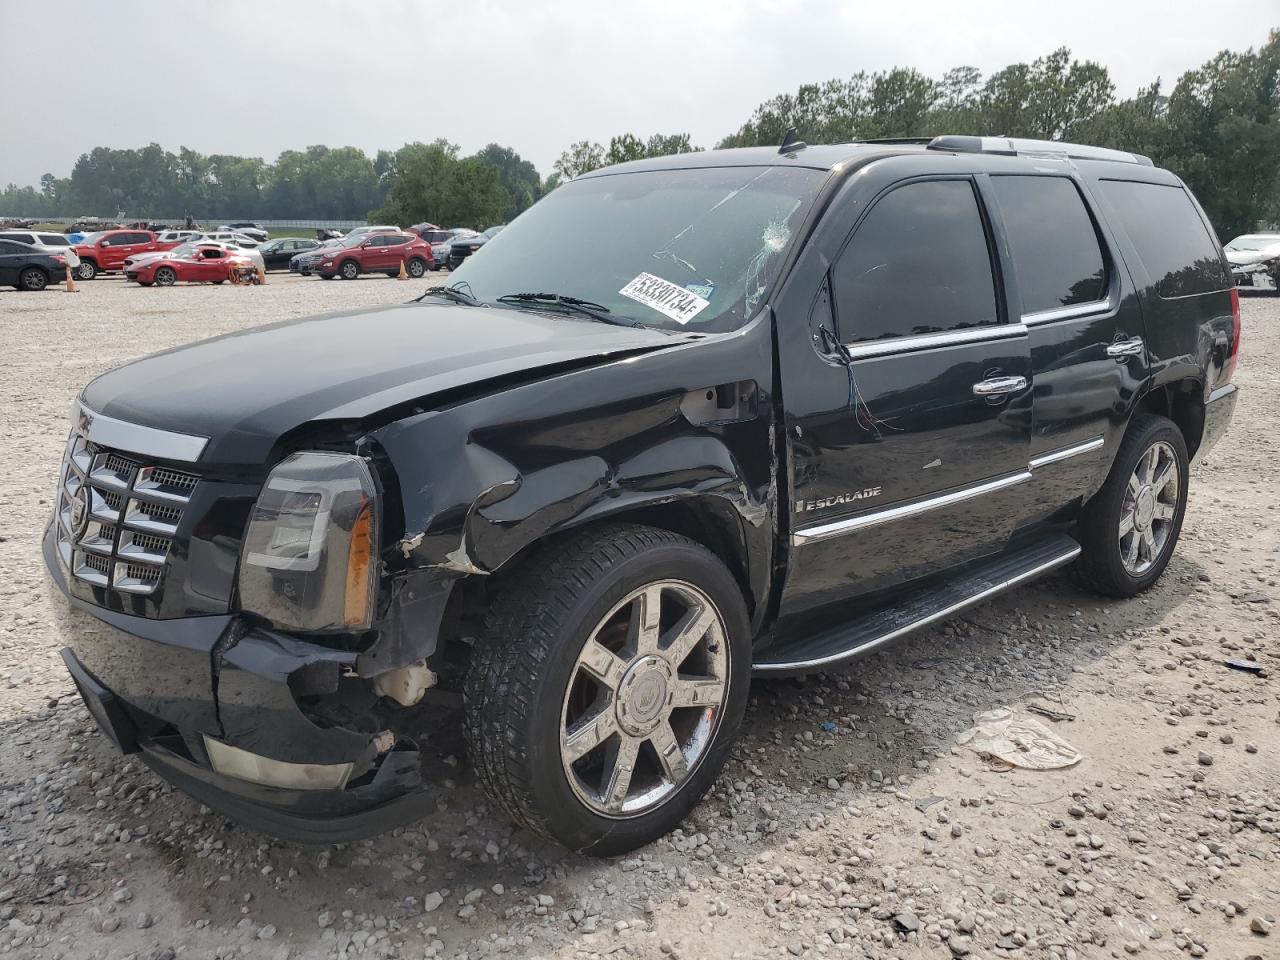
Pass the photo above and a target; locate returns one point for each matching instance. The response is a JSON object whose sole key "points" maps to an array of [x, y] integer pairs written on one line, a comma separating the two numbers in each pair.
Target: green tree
{"points": [[1052, 98], [623, 148], [1222, 135], [580, 158], [432, 184], [518, 177], [668, 144]]}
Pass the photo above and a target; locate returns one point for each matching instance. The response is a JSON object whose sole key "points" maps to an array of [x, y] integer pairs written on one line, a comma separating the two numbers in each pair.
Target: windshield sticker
{"points": [[703, 290], [667, 298]]}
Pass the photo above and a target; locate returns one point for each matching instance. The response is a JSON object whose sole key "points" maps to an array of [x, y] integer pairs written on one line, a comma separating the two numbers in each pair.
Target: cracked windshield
{"points": [[678, 249]]}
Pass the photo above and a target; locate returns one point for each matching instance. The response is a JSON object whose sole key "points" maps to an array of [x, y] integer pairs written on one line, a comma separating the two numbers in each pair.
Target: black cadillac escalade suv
{"points": [[754, 412]]}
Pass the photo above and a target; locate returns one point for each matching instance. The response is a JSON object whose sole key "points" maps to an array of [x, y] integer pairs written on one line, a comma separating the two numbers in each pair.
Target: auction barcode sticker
{"points": [[667, 298]]}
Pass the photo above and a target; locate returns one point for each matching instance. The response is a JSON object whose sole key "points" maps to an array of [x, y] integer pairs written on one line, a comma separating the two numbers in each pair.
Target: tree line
{"points": [[1218, 127]]}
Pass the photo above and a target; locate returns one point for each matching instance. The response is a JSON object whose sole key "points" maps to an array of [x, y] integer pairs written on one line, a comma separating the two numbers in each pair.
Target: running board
{"points": [[930, 604]]}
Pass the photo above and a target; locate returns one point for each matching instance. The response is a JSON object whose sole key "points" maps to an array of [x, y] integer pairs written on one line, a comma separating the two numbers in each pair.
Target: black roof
{"points": [[828, 156]]}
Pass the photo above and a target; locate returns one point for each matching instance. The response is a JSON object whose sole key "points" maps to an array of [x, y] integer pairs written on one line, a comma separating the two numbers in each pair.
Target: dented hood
{"points": [[245, 390]]}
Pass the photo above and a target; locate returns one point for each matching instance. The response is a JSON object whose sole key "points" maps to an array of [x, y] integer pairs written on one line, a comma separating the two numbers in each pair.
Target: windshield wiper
{"points": [[450, 293], [595, 311]]}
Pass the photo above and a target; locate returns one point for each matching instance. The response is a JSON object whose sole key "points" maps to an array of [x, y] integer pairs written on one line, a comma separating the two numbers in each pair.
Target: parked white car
{"points": [[56, 243], [1255, 261]]}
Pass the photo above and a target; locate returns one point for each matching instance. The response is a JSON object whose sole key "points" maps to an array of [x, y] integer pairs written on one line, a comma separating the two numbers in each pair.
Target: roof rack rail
{"points": [[1014, 146], [892, 140]]}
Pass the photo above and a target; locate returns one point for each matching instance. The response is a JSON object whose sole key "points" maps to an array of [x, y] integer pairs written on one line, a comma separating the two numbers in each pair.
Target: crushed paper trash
{"points": [[1018, 741]]}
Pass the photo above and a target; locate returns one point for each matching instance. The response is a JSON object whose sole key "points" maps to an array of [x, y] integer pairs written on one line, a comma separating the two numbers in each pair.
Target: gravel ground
{"points": [[848, 823]]}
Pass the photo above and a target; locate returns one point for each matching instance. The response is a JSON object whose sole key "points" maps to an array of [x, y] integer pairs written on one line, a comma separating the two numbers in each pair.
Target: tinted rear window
{"points": [[1180, 255], [1055, 245], [917, 264]]}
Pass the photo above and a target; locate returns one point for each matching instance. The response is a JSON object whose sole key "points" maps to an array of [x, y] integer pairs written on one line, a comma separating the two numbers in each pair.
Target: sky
{"points": [[253, 77]]}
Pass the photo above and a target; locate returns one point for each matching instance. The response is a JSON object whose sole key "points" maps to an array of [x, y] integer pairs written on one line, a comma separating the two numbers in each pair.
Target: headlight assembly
{"points": [[309, 559]]}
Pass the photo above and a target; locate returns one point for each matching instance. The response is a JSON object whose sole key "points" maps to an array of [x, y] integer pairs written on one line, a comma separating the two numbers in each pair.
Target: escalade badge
{"points": [[804, 506], [79, 512]]}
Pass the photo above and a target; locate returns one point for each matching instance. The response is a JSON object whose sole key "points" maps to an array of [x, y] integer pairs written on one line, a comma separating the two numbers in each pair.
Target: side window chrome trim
{"points": [[839, 528], [1069, 313], [930, 341]]}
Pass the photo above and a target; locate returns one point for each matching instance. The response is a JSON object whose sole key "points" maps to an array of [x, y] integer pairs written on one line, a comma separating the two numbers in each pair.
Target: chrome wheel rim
{"points": [[34, 281], [165, 277], [1148, 509], [349, 271], [84, 271], [416, 269], [644, 699]]}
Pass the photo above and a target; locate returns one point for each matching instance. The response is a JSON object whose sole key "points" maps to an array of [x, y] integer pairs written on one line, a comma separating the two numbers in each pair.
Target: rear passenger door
{"points": [[1088, 352], [396, 244], [912, 457]]}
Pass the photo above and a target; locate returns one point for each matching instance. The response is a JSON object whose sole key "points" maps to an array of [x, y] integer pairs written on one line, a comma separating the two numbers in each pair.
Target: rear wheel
{"points": [[349, 270], [1130, 527], [607, 686], [417, 267], [87, 270], [33, 278], [165, 277]]}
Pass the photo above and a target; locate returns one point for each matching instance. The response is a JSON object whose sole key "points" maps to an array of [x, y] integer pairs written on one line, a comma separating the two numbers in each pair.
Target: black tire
{"points": [[33, 278], [216, 282], [1100, 566], [328, 276], [537, 621], [349, 270], [166, 277], [145, 283], [417, 268], [87, 270]]}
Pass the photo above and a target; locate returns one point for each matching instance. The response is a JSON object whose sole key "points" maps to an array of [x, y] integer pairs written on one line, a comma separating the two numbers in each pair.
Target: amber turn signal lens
{"points": [[355, 609]]}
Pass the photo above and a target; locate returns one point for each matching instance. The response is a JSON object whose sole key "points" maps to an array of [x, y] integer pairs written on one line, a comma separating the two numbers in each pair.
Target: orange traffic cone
{"points": [[262, 274], [403, 273], [71, 283]]}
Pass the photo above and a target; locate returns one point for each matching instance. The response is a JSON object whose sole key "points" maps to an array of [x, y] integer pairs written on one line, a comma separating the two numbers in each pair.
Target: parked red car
{"points": [[105, 252], [209, 264], [377, 253]]}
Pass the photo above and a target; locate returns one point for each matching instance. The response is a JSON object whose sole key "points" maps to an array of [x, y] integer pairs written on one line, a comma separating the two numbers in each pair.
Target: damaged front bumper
{"points": [[247, 721], [1253, 276]]}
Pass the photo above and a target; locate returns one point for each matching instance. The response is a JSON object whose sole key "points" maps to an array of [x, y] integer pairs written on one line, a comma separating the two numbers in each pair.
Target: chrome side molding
{"points": [[838, 528], [134, 437], [1066, 453]]}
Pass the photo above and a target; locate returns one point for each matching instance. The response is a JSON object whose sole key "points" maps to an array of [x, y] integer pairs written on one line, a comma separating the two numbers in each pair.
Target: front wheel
{"points": [[1130, 527], [349, 270], [165, 277], [607, 686]]}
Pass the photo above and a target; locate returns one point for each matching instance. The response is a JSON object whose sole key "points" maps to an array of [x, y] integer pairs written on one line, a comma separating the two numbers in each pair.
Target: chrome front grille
{"points": [[117, 516]]}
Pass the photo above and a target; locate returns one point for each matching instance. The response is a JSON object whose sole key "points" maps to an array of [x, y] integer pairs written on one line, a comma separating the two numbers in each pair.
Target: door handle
{"points": [[1125, 348], [997, 386]]}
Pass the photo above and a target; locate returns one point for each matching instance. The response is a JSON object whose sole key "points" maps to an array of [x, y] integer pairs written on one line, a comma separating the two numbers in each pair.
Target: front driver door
{"points": [[209, 264], [911, 428]]}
